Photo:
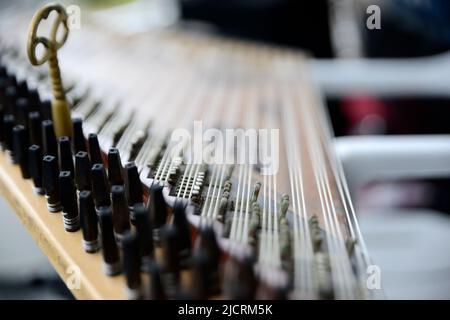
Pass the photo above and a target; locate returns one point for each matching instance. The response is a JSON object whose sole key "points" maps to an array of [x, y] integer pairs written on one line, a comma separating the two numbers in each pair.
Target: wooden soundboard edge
{"points": [[63, 249]]}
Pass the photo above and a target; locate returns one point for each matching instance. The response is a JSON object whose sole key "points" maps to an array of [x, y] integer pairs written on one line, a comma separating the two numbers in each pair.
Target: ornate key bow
{"points": [[60, 106]]}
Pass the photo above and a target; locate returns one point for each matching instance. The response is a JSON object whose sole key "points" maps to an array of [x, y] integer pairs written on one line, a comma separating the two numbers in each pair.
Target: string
{"points": [[362, 257], [333, 235]]}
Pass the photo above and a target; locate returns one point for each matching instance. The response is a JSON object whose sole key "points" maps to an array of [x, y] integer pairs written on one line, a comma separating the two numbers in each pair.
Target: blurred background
{"points": [[384, 72]]}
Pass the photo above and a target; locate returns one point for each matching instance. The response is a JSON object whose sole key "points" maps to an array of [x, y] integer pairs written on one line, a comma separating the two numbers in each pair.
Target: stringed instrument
{"points": [[239, 193]]}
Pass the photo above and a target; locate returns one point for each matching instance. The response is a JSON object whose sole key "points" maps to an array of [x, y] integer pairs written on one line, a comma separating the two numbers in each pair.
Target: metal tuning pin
{"points": [[120, 212], [20, 147], [255, 193], [133, 186], [51, 183], [158, 210], [144, 232], [89, 222], [115, 170], [65, 155], [95, 154], [132, 266], [35, 168], [100, 186], [34, 128], [111, 259], [284, 205], [82, 171], [49, 139], [69, 202], [79, 143], [60, 106]]}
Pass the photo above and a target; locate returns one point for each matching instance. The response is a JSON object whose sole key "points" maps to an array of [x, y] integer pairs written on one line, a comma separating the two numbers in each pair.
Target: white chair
{"points": [[409, 245]]}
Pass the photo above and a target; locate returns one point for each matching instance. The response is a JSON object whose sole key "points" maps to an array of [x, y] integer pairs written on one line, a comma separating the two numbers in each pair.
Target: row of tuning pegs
{"points": [[135, 230]]}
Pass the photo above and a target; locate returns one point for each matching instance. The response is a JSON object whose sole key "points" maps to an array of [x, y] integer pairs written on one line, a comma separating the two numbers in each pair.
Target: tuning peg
{"points": [[8, 125], [158, 210], [239, 282], [35, 167], [49, 139], [89, 222], [170, 258], [115, 175], [182, 225], [157, 291], [132, 266], [20, 147], [51, 183], [82, 171], [111, 259], [121, 214], [95, 154], [69, 202], [144, 231], [79, 142], [100, 186], [133, 186], [65, 156], [34, 128]]}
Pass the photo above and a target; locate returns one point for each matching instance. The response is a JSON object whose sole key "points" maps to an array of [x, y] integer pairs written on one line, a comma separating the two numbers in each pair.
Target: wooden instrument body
{"points": [[182, 79]]}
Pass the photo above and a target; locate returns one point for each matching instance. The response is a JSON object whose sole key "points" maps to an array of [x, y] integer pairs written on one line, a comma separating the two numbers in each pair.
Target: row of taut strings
{"points": [[315, 174], [154, 87]]}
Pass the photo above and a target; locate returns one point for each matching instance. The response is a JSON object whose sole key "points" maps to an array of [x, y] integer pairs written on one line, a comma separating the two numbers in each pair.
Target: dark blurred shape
{"points": [[100, 186], [410, 29], [132, 266], [292, 23], [20, 146], [115, 175], [49, 139], [79, 143], [121, 214], [88, 222], [65, 155], [111, 258], [35, 167], [95, 154], [82, 171]]}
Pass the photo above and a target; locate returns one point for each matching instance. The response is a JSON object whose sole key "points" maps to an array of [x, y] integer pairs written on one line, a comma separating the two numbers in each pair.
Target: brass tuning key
{"points": [[60, 106]]}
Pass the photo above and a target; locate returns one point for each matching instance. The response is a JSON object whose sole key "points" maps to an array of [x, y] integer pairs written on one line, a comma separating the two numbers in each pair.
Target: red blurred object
{"points": [[365, 114]]}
